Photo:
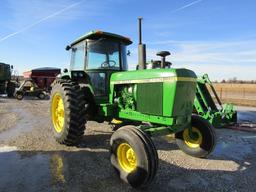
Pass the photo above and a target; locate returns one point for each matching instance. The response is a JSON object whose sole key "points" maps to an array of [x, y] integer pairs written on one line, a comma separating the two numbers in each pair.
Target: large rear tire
{"points": [[203, 142], [67, 112], [134, 156]]}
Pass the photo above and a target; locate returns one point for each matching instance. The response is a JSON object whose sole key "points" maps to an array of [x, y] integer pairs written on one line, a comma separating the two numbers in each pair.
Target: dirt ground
{"points": [[31, 160]]}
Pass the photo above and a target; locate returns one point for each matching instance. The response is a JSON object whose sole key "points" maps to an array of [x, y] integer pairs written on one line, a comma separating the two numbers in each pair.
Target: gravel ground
{"points": [[31, 160]]}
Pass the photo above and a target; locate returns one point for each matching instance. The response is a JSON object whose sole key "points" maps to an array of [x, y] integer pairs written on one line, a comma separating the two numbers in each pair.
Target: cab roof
{"points": [[99, 34]]}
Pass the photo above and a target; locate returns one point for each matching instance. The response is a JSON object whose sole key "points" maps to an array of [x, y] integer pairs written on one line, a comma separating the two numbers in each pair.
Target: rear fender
{"points": [[19, 92]]}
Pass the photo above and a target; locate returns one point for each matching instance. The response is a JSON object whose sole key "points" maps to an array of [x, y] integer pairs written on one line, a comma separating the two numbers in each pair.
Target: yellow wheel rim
{"points": [[58, 112], [126, 157], [193, 142], [116, 121]]}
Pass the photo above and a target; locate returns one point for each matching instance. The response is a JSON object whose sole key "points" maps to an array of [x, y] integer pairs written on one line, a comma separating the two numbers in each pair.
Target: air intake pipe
{"points": [[141, 49], [164, 54]]}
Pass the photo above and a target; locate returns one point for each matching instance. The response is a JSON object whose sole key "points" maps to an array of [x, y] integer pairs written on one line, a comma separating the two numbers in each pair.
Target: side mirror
{"points": [[68, 47], [128, 53], [11, 66], [65, 70]]}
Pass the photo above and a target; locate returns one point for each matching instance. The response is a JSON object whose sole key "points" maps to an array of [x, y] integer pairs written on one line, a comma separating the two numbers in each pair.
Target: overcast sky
{"points": [[217, 37]]}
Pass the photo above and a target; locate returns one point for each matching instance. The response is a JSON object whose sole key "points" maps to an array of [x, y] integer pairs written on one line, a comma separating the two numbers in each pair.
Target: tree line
{"points": [[235, 80]]}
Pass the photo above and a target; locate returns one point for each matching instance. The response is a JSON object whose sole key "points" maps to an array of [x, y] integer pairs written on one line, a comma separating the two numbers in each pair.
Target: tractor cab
{"points": [[95, 56]]}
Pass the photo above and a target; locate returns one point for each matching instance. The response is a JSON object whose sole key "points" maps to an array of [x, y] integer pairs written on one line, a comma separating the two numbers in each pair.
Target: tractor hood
{"points": [[167, 93], [153, 75]]}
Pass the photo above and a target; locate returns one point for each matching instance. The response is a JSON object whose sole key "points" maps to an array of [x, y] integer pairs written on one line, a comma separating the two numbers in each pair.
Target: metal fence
{"points": [[240, 94]]}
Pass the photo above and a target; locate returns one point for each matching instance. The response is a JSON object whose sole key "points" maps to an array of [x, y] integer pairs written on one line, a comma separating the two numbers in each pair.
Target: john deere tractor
{"points": [[7, 86], [153, 102]]}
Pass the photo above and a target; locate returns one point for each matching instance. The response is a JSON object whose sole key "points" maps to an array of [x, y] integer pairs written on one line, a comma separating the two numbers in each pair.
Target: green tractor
{"points": [[153, 102], [205, 106], [7, 86]]}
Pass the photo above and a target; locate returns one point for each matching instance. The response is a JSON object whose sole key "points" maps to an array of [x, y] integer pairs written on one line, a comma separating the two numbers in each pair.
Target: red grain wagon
{"points": [[43, 77]]}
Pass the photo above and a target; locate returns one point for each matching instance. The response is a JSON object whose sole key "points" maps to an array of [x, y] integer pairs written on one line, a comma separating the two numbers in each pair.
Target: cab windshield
{"points": [[105, 54]]}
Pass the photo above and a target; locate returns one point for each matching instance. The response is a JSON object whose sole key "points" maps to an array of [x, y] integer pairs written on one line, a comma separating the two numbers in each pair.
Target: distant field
{"points": [[239, 94]]}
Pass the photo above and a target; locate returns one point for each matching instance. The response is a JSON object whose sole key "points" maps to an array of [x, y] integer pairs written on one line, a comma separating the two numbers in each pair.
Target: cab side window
{"points": [[78, 57]]}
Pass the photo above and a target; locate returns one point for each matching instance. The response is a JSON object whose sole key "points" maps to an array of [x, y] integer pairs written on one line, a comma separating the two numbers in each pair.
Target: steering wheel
{"points": [[106, 64]]}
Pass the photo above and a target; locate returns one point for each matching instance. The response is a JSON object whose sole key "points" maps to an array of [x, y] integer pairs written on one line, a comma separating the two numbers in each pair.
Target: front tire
{"points": [[134, 156], [67, 112], [41, 95], [19, 95], [203, 141]]}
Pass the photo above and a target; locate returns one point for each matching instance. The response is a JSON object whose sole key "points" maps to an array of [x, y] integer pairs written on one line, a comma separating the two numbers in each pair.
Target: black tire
{"points": [[10, 89], [41, 95], [2, 87], [198, 147], [74, 112], [234, 117], [19, 95], [145, 152]]}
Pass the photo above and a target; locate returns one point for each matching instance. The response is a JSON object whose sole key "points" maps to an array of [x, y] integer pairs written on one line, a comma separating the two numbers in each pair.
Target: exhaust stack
{"points": [[141, 49]]}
